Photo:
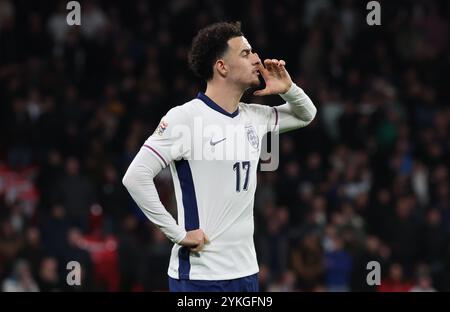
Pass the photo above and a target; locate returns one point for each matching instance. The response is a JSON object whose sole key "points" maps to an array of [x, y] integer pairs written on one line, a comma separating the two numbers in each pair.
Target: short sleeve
{"points": [[170, 141]]}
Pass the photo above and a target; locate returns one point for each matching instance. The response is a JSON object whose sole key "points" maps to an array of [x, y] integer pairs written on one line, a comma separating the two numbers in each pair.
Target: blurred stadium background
{"points": [[367, 180]]}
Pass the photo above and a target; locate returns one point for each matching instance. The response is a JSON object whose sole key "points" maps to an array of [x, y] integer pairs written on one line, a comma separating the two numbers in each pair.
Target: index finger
{"points": [[264, 72], [197, 248]]}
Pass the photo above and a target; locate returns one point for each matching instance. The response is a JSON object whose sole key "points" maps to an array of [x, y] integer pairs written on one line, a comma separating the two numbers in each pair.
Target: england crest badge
{"points": [[252, 136]]}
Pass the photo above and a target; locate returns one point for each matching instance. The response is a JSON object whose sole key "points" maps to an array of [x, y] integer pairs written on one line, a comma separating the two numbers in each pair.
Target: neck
{"points": [[224, 95]]}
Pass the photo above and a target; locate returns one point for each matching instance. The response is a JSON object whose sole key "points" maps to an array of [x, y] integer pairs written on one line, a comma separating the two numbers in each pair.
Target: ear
{"points": [[221, 68]]}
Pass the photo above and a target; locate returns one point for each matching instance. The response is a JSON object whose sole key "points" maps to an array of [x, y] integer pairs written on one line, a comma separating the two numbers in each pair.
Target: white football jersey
{"points": [[213, 157]]}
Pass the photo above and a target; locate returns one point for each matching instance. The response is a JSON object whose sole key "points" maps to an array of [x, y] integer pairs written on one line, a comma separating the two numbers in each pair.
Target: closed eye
{"points": [[246, 52]]}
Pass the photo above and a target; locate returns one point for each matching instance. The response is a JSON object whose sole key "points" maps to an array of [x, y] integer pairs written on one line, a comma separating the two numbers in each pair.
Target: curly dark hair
{"points": [[209, 45]]}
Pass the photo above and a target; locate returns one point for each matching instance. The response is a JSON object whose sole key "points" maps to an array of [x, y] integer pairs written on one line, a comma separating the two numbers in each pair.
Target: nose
{"points": [[256, 60]]}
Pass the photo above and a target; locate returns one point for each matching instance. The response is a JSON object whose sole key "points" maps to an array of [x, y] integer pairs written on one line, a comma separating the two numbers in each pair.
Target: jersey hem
{"points": [[209, 277]]}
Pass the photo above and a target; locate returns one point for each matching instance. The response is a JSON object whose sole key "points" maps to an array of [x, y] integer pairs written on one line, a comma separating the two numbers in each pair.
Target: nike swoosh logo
{"points": [[214, 143]]}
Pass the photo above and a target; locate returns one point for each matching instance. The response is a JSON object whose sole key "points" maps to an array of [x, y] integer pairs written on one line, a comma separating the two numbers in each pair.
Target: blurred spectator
{"points": [[94, 20], [273, 242], [75, 252], [372, 250], [338, 266], [10, 244], [264, 278], [21, 279], [76, 193], [435, 242], [54, 231], [424, 282], [395, 281], [48, 278], [32, 250], [307, 262], [371, 172], [129, 254], [285, 283], [154, 261], [102, 248], [57, 23], [405, 233], [112, 198]]}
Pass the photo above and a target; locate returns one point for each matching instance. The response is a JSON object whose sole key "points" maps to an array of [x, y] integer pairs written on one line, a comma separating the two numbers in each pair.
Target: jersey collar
{"points": [[214, 105]]}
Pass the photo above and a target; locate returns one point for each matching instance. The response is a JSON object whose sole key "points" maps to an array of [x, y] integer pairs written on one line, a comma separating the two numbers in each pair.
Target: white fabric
{"points": [[224, 206]]}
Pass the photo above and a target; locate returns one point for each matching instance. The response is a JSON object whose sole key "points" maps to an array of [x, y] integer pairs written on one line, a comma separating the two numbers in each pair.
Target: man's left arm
{"points": [[298, 111]]}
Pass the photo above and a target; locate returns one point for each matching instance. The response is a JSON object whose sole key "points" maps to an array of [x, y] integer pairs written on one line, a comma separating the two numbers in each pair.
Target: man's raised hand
{"points": [[276, 77]]}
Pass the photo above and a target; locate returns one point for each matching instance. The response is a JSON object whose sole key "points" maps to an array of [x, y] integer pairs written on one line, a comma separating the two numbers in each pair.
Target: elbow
{"points": [[312, 115], [135, 176], [126, 180]]}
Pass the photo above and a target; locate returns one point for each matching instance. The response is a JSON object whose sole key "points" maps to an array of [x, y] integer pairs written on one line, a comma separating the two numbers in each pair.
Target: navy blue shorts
{"points": [[243, 284]]}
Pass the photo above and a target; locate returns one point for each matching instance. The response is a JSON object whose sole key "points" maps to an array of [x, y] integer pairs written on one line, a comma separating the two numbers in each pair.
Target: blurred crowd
{"points": [[366, 181]]}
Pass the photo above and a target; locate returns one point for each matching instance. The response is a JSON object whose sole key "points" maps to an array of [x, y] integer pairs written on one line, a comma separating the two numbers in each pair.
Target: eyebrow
{"points": [[246, 50]]}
